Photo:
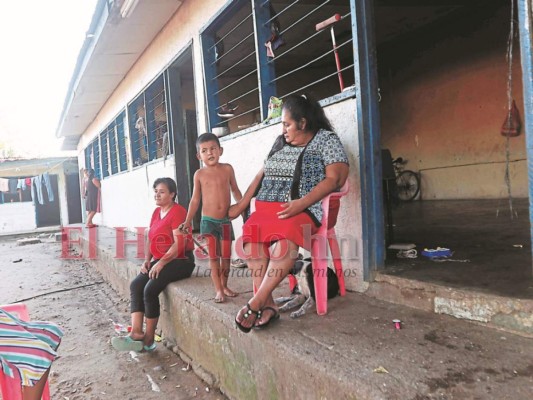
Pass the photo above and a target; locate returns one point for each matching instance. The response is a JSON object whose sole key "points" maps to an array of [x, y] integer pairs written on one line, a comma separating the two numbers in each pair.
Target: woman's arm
{"points": [[237, 209], [336, 175], [178, 247]]}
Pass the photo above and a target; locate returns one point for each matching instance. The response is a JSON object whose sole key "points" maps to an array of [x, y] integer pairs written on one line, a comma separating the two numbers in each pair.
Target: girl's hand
{"points": [[155, 270], [145, 267], [291, 209]]}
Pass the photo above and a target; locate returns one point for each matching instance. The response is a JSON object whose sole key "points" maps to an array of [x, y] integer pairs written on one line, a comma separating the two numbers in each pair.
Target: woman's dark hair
{"points": [[303, 106], [169, 183], [90, 172]]}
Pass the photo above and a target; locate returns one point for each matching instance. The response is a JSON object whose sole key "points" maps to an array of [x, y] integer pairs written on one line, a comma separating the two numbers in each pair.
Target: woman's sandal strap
{"points": [[250, 311]]}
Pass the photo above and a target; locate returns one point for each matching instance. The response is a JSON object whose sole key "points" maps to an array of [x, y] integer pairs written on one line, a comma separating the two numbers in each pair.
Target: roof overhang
{"points": [[116, 38]]}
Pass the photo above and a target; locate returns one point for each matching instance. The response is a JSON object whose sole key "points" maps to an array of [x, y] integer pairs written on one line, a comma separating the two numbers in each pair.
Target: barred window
{"points": [[112, 143], [148, 124], [255, 49], [92, 157]]}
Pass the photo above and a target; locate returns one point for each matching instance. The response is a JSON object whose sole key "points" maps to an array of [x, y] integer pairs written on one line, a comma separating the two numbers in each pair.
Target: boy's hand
{"points": [[185, 228]]}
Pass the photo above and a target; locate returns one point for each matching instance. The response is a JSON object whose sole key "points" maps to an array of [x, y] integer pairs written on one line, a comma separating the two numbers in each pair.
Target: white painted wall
{"points": [[127, 198], [17, 217]]}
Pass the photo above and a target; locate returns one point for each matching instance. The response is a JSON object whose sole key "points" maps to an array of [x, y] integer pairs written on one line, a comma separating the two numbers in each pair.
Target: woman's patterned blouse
{"points": [[325, 148]]}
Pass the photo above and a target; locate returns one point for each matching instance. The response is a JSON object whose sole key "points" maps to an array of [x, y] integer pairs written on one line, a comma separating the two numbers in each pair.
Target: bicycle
{"points": [[407, 181]]}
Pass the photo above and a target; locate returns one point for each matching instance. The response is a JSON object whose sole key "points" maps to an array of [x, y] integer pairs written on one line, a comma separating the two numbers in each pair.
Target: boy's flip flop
{"points": [[126, 343]]}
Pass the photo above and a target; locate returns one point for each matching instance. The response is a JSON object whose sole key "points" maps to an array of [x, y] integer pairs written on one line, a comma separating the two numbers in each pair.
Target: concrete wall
{"points": [[443, 108], [127, 198], [17, 217]]}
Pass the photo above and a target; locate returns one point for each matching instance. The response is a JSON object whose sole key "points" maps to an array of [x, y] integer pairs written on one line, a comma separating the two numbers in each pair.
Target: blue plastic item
{"points": [[438, 252]]}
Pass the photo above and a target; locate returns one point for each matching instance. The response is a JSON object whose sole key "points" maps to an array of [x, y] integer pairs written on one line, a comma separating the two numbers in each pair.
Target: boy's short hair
{"points": [[207, 137]]}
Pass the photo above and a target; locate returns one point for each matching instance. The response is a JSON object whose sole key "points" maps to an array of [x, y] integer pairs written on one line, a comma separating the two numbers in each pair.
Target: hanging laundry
{"points": [[4, 185], [36, 190], [21, 184], [13, 185], [28, 181], [48, 186]]}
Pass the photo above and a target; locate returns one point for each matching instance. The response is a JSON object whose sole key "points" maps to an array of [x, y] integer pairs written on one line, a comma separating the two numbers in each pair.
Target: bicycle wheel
{"points": [[408, 184]]}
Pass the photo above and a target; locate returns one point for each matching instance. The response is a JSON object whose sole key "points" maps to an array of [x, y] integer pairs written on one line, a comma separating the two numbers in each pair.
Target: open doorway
{"points": [[444, 78], [47, 213], [182, 109]]}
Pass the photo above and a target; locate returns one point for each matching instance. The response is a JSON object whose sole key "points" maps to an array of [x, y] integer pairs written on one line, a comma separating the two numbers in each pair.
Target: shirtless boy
{"points": [[212, 186]]}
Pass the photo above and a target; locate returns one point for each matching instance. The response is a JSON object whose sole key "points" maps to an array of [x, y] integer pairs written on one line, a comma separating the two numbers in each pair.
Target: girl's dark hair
{"points": [[169, 183], [90, 172], [304, 106]]}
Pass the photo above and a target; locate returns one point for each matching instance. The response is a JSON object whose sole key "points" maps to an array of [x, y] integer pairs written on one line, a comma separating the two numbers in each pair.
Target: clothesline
{"points": [[36, 165]]}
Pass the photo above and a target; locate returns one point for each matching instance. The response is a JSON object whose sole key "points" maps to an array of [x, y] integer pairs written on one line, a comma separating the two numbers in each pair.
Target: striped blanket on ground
{"points": [[27, 349]]}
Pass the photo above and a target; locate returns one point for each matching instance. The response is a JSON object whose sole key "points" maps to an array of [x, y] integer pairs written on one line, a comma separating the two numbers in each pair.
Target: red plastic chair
{"points": [[326, 234], [11, 387], [319, 258]]}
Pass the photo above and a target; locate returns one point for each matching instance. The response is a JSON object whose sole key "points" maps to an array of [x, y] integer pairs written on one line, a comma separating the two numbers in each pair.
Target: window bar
{"points": [[121, 139], [233, 66], [317, 81], [295, 46], [113, 146], [266, 71], [233, 48], [278, 14], [227, 34], [238, 80], [305, 16], [240, 97], [240, 115], [209, 72], [150, 122], [303, 41], [313, 60], [171, 118]]}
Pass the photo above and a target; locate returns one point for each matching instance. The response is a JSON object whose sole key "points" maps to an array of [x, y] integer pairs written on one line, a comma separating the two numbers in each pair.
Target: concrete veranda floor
{"points": [[352, 352], [498, 248]]}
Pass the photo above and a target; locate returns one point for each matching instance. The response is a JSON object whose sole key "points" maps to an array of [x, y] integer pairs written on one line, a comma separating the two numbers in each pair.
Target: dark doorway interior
{"points": [[443, 80], [184, 127], [490, 250], [73, 199], [48, 213]]}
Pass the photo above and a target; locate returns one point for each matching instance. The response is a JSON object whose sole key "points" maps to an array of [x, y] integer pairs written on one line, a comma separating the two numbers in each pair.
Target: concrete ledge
{"points": [[514, 315], [336, 356]]}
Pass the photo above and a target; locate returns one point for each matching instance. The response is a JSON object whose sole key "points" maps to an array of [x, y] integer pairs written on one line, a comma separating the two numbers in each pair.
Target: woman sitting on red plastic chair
{"points": [[306, 163], [27, 350]]}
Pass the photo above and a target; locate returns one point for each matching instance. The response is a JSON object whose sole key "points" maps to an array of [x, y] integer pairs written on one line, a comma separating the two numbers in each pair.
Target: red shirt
{"points": [[160, 234]]}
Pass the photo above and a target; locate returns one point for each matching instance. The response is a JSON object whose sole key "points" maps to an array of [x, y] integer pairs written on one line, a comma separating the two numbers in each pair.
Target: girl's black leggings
{"points": [[144, 291]]}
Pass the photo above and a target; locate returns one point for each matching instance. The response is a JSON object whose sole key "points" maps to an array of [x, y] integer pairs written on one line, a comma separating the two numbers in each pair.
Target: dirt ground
{"points": [[88, 367]]}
